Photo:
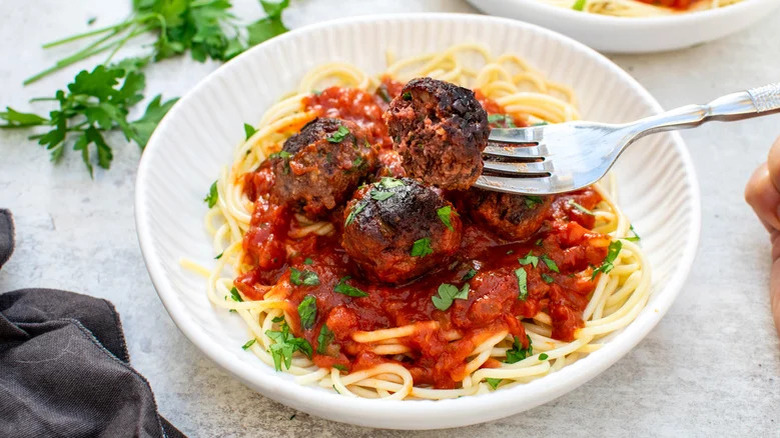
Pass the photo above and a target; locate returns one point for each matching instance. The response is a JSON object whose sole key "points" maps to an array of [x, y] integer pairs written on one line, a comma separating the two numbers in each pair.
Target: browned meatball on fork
{"points": [[440, 130], [399, 229], [319, 168]]}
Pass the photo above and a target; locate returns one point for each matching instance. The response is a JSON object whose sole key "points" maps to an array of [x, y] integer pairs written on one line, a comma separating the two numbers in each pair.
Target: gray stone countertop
{"points": [[710, 368]]}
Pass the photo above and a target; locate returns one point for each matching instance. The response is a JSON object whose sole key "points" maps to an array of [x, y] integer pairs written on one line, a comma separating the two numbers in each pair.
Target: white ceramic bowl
{"points": [[634, 35], [196, 139]]}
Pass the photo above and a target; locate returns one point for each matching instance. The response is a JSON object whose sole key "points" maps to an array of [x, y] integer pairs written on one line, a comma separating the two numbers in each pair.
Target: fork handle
{"points": [[736, 106]]}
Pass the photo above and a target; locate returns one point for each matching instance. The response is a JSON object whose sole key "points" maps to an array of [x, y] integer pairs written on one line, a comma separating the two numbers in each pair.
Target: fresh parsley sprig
{"points": [[95, 103], [285, 345]]}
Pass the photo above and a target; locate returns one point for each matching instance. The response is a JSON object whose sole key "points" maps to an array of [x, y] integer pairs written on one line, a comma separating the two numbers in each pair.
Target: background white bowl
{"points": [[196, 139], [633, 35]]}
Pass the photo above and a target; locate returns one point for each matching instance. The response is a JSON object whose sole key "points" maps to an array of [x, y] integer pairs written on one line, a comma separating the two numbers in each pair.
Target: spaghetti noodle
{"points": [[505, 83]]}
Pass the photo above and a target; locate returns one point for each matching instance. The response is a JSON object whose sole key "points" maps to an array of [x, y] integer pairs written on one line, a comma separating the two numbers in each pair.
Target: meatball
{"points": [[320, 167], [398, 229], [440, 130], [512, 217]]}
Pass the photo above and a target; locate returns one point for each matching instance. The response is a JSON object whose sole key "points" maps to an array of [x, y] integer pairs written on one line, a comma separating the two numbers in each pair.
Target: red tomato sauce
{"points": [[437, 351], [674, 4]]}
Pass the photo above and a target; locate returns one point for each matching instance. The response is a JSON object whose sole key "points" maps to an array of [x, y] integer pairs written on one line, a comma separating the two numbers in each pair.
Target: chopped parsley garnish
{"points": [[635, 237], [407, 95], [579, 5], [522, 283], [307, 311], [542, 123], [324, 339], [390, 182], [543, 356], [493, 382], [609, 260], [538, 242], [278, 319], [219, 256], [281, 154], [444, 214], [511, 251], [547, 279], [506, 119], [532, 201], [213, 196], [529, 259], [305, 277], [580, 207], [550, 264], [381, 196], [340, 367], [422, 247], [249, 130], [249, 343], [339, 135], [343, 288], [235, 295], [517, 352], [308, 261], [355, 211], [285, 344], [469, 275], [448, 293], [335, 389]]}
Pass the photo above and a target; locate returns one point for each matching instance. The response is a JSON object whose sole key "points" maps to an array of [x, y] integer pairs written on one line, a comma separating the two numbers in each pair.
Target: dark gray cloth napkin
{"points": [[64, 366]]}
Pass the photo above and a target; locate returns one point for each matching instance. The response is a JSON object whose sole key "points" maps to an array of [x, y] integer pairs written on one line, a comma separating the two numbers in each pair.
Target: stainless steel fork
{"points": [[563, 157]]}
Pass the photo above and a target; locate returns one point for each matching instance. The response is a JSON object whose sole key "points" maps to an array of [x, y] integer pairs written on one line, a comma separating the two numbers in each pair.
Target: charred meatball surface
{"points": [[320, 167], [398, 229], [440, 130], [512, 217]]}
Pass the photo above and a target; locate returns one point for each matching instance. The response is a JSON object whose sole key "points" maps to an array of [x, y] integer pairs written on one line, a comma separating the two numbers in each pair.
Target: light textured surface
{"points": [[710, 367]]}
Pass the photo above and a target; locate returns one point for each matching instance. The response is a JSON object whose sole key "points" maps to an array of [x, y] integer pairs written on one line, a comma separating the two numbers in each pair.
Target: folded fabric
{"points": [[64, 368]]}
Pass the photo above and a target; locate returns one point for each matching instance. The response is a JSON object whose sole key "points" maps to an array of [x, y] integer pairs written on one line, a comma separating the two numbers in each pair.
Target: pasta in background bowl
{"points": [[635, 26], [195, 141]]}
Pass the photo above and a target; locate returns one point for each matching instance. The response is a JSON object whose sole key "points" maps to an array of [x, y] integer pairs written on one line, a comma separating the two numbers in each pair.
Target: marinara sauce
{"points": [[436, 352]]}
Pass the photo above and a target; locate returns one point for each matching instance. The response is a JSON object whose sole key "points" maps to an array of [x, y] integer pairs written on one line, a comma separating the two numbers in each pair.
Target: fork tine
{"points": [[516, 135], [539, 167], [524, 186], [516, 152]]}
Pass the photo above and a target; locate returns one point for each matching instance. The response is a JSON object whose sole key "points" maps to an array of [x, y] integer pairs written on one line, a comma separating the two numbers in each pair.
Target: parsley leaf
{"points": [[390, 182], [444, 215], [339, 136], [447, 293], [325, 338], [307, 311], [580, 207], [354, 212], [249, 343], [406, 95], [547, 278], [305, 277], [219, 256], [579, 5], [550, 263], [343, 288], [529, 259], [517, 352], [609, 260], [421, 247], [469, 275], [341, 367], [213, 195], [237, 297], [635, 237], [522, 283], [493, 382], [533, 201], [381, 196], [249, 130], [504, 120], [543, 356], [308, 261], [285, 344]]}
